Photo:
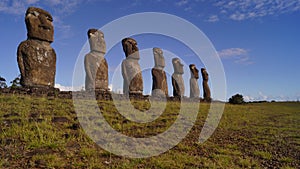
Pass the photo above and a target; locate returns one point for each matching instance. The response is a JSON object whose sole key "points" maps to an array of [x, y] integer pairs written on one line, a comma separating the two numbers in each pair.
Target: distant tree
{"points": [[2, 82], [236, 99], [16, 82]]}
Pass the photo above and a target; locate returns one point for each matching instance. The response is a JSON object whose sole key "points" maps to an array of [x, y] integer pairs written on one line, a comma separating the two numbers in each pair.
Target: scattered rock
{"points": [[60, 120], [10, 115]]}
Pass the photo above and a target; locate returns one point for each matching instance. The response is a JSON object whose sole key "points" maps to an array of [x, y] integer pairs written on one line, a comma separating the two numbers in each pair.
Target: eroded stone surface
{"points": [[206, 90], [96, 66], [194, 86], [36, 58], [177, 80], [131, 70], [159, 85]]}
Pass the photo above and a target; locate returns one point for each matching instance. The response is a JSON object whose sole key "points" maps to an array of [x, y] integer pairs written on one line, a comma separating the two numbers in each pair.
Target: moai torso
{"points": [[95, 64], [177, 80], [36, 58], [131, 70], [206, 90], [194, 86], [159, 85]]}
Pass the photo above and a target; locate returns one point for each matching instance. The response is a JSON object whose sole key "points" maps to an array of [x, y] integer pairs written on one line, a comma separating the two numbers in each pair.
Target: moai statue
{"points": [[177, 80], [194, 86], [131, 70], [206, 90], [95, 64], [36, 58], [159, 85]]}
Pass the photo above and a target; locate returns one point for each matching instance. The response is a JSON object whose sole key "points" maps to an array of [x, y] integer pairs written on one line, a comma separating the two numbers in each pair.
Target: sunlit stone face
{"points": [[39, 24], [158, 57], [96, 40], [194, 71], [130, 48], [178, 66], [204, 74]]}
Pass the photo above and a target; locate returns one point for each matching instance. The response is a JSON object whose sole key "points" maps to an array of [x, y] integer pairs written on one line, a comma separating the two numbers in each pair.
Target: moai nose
{"points": [[44, 22]]}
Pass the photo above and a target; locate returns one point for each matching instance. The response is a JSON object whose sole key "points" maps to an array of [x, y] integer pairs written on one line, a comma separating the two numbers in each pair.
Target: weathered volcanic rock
{"points": [[206, 90], [36, 58], [96, 66], [194, 86], [131, 70], [159, 85], [177, 80]]}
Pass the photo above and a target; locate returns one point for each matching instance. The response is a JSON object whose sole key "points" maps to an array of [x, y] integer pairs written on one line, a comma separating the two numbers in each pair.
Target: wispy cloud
{"points": [[64, 7], [238, 10], [261, 96], [181, 2], [213, 18], [239, 55], [246, 9], [16, 7], [60, 10], [225, 53], [69, 88]]}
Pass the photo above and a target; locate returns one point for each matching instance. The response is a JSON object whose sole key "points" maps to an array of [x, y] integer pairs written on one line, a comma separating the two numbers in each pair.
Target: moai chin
{"points": [[131, 70], [95, 64], [159, 77], [36, 58], [194, 86], [206, 90], [177, 80]]}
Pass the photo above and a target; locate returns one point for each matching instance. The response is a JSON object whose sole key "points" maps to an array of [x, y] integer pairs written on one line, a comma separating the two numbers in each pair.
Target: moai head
{"points": [[39, 24], [96, 40], [204, 74], [178, 66], [130, 48], [159, 58], [194, 71]]}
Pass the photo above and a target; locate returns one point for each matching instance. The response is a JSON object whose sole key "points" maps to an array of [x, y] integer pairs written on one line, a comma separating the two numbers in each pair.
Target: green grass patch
{"points": [[46, 133]]}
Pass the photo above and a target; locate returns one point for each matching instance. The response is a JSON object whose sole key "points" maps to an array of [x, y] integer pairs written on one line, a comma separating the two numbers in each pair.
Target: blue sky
{"points": [[257, 41]]}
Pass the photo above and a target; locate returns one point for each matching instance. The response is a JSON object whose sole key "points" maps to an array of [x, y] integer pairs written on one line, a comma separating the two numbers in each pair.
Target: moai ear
{"points": [[92, 34]]}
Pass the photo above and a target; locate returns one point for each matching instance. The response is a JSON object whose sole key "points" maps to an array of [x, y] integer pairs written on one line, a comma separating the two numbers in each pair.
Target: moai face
{"points": [[159, 58], [130, 48], [96, 40], [204, 74], [178, 66], [39, 24], [194, 71]]}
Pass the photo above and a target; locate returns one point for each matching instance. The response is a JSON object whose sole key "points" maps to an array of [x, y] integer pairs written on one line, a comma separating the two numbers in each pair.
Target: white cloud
{"points": [[181, 2], [64, 7], [232, 52], [15, 7], [60, 10], [239, 55], [248, 98], [239, 10], [31, 1], [69, 88], [213, 18], [262, 96], [249, 9], [115, 90], [110, 86]]}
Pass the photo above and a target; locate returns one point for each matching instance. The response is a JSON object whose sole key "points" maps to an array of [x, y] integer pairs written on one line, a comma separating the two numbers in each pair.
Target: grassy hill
{"points": [[38, 132]]}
